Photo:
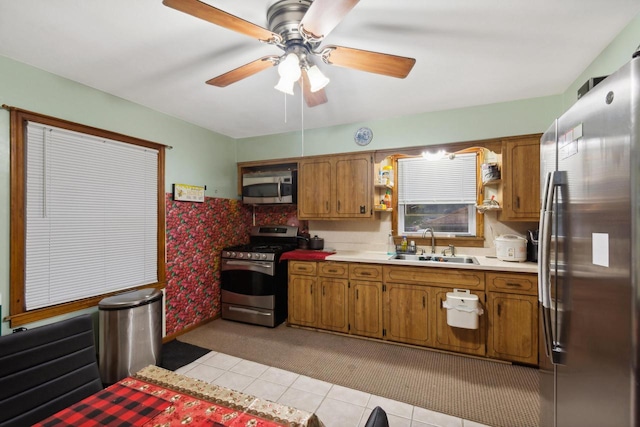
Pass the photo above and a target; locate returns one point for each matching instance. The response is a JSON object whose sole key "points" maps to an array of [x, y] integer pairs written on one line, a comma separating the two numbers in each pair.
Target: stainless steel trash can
{"points": [[130, 335]]}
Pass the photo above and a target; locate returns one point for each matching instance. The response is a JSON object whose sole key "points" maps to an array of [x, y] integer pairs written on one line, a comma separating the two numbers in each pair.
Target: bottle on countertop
{"points": [[404, 244], [391, 246]]}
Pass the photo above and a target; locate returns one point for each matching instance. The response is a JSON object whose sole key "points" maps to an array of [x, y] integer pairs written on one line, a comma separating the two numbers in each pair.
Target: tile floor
{"points": [[336, 406]]}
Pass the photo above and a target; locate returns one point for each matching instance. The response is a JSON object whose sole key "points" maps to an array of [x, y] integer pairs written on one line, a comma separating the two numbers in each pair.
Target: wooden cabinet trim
{"points": [[365, 272], [333, 269], [435, 277], [522, 283], [307, 268]]}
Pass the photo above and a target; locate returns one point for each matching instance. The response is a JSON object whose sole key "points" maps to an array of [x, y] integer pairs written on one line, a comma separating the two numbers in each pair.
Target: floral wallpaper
{"points": [[196, 234]]}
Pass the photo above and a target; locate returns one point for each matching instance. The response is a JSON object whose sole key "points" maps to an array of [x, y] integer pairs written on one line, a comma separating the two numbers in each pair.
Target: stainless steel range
{"points": [[254, 281]]}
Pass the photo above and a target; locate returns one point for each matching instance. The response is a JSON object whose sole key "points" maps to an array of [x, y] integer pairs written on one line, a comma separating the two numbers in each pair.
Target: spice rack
{"points": [[381, 190]]}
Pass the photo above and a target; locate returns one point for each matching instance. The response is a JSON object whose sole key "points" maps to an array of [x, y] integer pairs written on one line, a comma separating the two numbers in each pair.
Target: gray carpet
{"points": [[487, 392]]}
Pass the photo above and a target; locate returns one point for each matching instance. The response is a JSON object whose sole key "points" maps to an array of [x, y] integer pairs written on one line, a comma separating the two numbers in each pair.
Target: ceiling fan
{"points": [[298, 28]]}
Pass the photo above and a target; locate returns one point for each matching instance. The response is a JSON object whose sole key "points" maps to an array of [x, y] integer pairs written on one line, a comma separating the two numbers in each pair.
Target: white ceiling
{"points": [[468, 52]]}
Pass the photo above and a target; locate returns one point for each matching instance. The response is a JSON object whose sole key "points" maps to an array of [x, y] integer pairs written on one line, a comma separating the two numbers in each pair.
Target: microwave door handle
{"points": [[280, 189]]}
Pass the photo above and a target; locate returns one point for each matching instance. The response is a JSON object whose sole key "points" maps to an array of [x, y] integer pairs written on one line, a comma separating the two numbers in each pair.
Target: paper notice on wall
{"points": [[600, 249]]}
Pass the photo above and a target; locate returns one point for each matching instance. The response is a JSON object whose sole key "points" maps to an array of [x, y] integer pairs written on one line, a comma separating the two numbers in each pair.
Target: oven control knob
{"points": [[240, 255], [233, 254], [264, 256], [249, 256]]}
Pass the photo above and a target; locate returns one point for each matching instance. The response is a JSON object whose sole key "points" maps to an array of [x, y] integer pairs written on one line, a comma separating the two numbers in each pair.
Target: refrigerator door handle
{"points": [[553, 180], [544, 264]]}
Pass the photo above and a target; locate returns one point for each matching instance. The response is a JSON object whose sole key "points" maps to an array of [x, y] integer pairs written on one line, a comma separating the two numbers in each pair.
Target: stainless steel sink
{"points": [[461, 259]]}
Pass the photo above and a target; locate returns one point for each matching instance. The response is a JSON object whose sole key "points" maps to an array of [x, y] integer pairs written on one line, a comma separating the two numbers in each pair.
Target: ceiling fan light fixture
{"points": [[285, 86], [289, 68], [317, 80]]}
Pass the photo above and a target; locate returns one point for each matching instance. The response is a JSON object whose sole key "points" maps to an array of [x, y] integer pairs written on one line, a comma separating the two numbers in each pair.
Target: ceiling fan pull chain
{"points": [[285, 107], [302, 118]]}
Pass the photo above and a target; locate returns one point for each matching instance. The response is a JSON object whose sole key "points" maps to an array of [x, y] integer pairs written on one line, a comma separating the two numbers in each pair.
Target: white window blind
{"points": [[423, 181], [91, 216]]}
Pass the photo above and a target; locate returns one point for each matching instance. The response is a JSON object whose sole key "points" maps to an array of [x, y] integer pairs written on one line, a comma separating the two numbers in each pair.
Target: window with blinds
{"points": [[437, 194], [91, 216]]}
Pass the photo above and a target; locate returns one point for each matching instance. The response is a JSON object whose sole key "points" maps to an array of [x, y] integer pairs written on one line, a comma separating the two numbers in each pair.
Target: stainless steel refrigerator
{"points": [[589, 257]]}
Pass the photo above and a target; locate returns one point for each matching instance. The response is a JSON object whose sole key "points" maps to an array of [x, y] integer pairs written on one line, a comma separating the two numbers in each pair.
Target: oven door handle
{"points": [[249, 311], [238, 263]]}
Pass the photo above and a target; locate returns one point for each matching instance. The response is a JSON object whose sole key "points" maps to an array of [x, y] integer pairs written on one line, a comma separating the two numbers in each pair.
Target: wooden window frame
{"points": [[18, 315]]}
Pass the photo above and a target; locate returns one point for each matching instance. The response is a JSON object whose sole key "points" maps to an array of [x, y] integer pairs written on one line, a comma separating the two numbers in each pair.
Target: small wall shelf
{"points": [[492, 183]]}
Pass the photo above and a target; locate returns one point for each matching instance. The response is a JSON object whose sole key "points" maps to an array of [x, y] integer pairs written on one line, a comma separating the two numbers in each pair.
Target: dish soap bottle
{"points": [[391, 246], [403, 245]]}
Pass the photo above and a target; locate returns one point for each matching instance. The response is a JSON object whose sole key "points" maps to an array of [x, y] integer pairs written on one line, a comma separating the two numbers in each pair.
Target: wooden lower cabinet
{"points": [[512, 314], [302, 300], [513, 327], [365, 308], [333, 304], [404, 304], [303, 291], [470, 341], [407, 314]]}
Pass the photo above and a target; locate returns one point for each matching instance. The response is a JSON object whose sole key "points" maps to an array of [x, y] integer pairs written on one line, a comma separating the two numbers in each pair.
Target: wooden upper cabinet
{"points": [[314, 188], [354, 186], [521, 179], [335, 187]]}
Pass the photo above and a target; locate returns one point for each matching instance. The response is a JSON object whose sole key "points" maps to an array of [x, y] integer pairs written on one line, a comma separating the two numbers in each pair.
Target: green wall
{"points": [[198, 157], [441, 127], [474, 123]]}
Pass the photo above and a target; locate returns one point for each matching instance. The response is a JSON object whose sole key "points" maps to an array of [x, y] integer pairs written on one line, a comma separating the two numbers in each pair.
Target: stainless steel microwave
{"points": [[270, 187]]}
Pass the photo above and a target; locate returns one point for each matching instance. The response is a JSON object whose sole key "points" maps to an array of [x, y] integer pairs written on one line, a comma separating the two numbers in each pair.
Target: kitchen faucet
{"points": [[433, 239], [451, 249]]}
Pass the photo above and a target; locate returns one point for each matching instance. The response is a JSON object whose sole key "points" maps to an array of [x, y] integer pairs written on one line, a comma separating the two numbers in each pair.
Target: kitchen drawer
{"points": [[440, 277], [366, 272], [333, 269], [303, 268], [526, 284]]}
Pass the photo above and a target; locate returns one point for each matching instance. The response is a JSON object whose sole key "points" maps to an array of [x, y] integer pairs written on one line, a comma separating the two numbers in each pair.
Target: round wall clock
{"points": [[363, 136]]}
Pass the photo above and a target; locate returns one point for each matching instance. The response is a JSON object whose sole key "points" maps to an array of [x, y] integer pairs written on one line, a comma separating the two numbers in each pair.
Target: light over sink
{"points": [[458, 259]]}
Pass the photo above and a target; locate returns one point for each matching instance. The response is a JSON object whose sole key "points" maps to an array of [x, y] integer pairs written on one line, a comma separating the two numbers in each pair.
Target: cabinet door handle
{"points": [[516, 285], [338, 205], [357, 297], [333, 270], [424, 305], [518, 202], [311, 289], [499, 309], [327, 205], [365, 273], [323, 291]]}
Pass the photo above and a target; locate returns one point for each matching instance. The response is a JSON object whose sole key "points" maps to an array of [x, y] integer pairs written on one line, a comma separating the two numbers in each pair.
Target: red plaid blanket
{"points": [[114, 406]]}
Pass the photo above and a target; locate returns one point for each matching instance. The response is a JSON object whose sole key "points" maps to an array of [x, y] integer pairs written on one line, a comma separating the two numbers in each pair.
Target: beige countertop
{"points": [[484, 262]]}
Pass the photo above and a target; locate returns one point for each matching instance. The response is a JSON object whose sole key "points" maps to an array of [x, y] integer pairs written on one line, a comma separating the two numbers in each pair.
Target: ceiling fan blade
{"points": [[372, 62], [324, 15], [219, 17], [311, 98], [243, 71]]}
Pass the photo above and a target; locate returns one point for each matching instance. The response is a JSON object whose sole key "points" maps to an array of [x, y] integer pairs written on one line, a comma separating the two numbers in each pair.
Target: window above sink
{"points": [[439, 194]]}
